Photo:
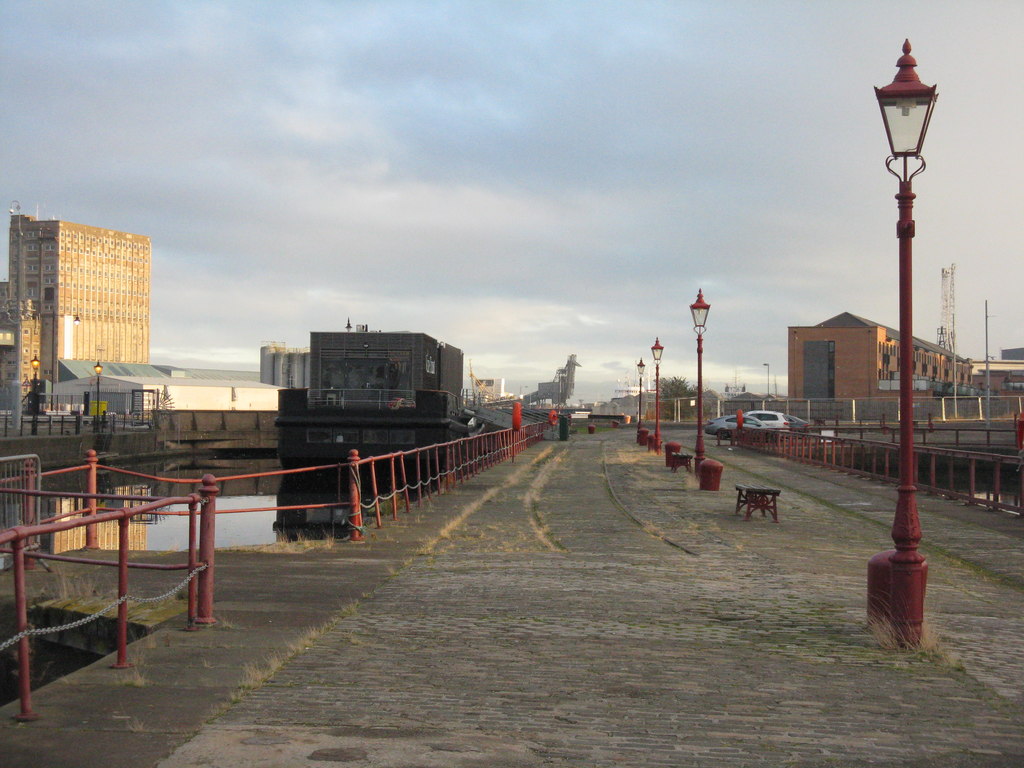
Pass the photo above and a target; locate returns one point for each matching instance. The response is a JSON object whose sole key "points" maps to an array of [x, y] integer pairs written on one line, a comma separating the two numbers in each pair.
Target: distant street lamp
{"points": [[906, 106], [33, 395], [640, 396], [96, 412], [656, 351], [768, 378], [699, 311]]}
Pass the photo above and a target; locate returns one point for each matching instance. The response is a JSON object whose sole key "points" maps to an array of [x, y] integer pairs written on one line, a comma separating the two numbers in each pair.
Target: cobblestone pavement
{"points": [[604, 612]]}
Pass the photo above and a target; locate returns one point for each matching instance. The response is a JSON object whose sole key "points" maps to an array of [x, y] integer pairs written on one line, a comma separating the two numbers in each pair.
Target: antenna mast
{"points": [[947, 331]]}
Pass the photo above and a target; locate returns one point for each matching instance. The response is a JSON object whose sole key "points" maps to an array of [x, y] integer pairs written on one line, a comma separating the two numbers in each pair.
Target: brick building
{"points": [[850, 357]]}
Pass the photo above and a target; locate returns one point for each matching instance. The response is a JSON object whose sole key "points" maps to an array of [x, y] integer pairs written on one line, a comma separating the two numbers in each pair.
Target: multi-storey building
{"points": [[849, 357], [74, 292]]}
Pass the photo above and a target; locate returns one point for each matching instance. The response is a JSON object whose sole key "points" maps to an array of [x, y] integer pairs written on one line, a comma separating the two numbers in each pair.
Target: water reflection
{"points": [[315, 507], [314, 504]]}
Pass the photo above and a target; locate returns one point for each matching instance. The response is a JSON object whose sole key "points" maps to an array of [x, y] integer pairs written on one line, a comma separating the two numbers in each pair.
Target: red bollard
{"points": [[671, 448], [641, 436], [710, 474], [591, 429]]}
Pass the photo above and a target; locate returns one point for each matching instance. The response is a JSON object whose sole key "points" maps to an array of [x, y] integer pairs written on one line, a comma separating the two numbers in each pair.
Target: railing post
{"points": [[122, 594], [91, 486], [193, 584], [394, 489], [405, 482], [207, 545], [21, 618], [29, 504], [374, 490], [355, 500]]}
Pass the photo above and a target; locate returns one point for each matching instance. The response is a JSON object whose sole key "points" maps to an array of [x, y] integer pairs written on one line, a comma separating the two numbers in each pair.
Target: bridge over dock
{"points": [[584, 606]]}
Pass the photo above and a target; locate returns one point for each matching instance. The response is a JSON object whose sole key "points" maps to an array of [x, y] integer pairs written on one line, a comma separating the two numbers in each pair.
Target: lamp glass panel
{"points": [[906, 119], [700, 316]]}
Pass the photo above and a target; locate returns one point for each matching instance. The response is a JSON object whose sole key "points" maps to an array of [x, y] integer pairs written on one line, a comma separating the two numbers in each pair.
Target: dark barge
{"points": [[376, 392]]}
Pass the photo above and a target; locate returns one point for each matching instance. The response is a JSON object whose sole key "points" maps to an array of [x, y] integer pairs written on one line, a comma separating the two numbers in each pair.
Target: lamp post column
{"points": [[906, 603], [96, 406], [906, 105], [656, 350], [698, 446], [640, 397], [699, 311]]}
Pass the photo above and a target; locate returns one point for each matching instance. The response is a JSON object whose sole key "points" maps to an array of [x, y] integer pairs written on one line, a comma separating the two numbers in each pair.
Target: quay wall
{"points": [[173, 432]]}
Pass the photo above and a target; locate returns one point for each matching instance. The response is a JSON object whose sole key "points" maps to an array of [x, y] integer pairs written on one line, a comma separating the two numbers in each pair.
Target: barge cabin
{"points": [[376, 392]]}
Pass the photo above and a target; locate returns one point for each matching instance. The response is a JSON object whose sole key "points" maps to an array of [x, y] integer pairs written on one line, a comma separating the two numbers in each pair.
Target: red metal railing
{"points": [[406, 476], [984, 479]]}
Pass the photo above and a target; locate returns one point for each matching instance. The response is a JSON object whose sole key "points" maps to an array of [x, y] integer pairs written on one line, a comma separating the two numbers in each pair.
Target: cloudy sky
{"points": [[524, 180]]}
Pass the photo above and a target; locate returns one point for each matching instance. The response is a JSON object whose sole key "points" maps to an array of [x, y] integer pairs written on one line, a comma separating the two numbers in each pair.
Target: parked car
{"points": [[771, 419], [724, 426], [795, 422]]}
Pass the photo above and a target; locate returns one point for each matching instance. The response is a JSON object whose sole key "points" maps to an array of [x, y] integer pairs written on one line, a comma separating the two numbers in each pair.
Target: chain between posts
{"points": [[93, 616]]}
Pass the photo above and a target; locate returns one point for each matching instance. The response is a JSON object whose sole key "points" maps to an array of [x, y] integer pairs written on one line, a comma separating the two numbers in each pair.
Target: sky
{"points": [[525, 180]]}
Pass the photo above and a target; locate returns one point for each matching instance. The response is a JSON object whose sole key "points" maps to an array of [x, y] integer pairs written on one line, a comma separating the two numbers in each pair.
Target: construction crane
{"points": [[482, 392], [947, 329]]}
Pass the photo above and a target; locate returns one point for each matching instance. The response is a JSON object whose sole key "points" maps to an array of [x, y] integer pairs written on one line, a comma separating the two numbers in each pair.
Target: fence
{"points": [[70, 424], [860, 409], [887, 408], [984, 479], [364, 484]]}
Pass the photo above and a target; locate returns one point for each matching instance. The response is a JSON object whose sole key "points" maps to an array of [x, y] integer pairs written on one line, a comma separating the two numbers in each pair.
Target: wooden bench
{"points": [[755, 497], [677, 460]]}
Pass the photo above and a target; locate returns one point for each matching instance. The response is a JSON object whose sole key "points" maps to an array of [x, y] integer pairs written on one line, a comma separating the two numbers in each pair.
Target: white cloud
{"points": [[522, 180]]}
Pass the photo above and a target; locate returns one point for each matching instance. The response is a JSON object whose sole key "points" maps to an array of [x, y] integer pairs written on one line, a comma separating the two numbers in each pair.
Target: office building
{"points": [[74, 292], [848, 356]]}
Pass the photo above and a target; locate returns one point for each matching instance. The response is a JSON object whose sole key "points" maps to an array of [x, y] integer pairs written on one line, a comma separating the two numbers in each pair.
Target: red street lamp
{"points": [[640, 396], [656, 351], [906, 106], [699, 311]]}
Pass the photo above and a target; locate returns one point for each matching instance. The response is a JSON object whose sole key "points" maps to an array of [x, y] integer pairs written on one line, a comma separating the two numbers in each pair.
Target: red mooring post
{"points": [[207, 544], [355, 500], [91, 460]]}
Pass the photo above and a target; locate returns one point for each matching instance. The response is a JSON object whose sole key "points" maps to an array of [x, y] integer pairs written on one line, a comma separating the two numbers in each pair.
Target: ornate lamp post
{"points": [[699, 311], [656, 351], [640, 396], [96, 413], [906, 106], [33, 395]]}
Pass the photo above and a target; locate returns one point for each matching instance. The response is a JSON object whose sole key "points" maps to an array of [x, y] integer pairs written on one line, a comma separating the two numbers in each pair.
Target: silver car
{"points": [[724, 426], [771, 419]]}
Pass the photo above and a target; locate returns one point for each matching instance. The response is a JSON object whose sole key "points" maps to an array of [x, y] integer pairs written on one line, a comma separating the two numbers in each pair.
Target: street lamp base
{"points": [[896, 592]]}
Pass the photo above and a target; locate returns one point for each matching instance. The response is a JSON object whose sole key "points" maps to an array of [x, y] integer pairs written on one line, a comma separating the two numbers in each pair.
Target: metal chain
{"points": [[372, 504], [93, 616]]}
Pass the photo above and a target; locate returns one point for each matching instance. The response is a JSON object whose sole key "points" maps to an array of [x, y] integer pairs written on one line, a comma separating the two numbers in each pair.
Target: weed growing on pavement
{"points": [[132, 677], [71, 585], [256, 674], [931, 647], [302, 543]]}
